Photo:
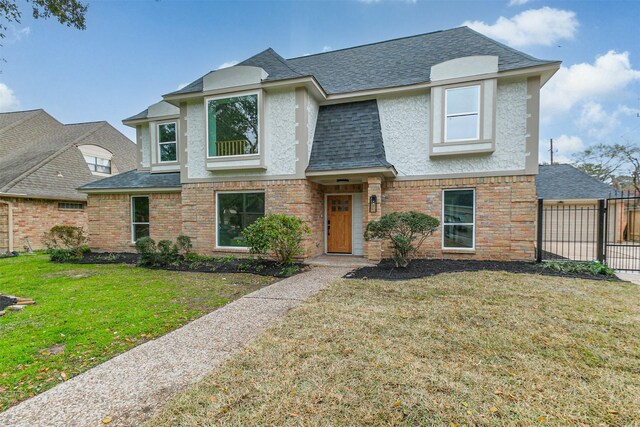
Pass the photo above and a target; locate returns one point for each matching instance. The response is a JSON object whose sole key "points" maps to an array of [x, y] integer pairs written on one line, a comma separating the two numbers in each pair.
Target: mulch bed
{"points": [[219, 265], [419, 268]]}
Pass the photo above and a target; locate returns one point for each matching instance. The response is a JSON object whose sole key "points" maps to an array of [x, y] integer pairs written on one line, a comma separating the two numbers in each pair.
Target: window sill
{"points": [[469, 251], [461, 148]]}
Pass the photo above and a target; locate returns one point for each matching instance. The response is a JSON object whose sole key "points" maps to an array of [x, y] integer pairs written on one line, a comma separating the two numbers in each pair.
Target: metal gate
{"points": [[607, 231]]}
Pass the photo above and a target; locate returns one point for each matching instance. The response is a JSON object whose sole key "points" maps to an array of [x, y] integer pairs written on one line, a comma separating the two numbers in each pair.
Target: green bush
{"points": [[277, 235], [406, 231], [164, 253], [66, 243], [593, 268]]}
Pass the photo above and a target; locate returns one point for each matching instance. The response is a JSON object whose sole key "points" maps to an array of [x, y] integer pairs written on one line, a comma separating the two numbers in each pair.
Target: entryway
{"points": [[339, 224]]}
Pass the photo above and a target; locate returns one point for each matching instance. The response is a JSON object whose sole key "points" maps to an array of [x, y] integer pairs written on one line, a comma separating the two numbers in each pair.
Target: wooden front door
{"points": [[339, 213]]}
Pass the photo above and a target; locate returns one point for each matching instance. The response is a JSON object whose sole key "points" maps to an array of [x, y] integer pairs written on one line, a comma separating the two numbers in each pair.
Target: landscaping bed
{"points": [[418, 268], [201, 264]]}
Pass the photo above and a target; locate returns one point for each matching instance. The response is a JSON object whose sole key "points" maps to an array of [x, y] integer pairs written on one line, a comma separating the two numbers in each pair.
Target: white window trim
{"points": [[231, 248], [206, 123], [477, 112], [473, 237], [79, 206], [168, 142], [96, 165], [139, 223]]}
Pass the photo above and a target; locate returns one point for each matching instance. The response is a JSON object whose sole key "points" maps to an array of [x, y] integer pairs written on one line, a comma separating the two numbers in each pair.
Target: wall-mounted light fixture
{"points": [[373, 204]]}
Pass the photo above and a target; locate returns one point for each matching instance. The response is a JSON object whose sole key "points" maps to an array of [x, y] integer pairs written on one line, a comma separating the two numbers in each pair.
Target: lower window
{"points": [[236, 211], [139, 217], [458, 215]]}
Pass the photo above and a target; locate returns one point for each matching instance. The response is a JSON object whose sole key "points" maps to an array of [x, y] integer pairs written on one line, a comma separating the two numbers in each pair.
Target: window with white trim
{"points": [[70, 206], [98, 164], [232, 126], [458, 219], [462, 114], [139, 217], [168, 142], [236, 211]]}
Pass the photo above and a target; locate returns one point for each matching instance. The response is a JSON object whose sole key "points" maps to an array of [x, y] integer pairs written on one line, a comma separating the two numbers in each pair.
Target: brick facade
{"points": [[32, 218], [505, 213], [110, 220]]}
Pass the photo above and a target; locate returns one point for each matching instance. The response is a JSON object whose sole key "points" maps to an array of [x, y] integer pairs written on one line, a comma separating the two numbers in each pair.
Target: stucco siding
{"points": [[312, 119], [280, 132], [145, 142], [406, 128]]}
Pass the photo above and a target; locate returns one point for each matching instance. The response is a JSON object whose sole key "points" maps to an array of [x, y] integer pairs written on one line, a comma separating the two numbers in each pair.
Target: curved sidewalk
{"points": [[130, 387]]}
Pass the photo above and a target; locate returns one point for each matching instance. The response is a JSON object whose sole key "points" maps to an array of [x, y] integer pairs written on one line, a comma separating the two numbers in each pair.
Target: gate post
{"points": [[539, 237], [601, 224]]}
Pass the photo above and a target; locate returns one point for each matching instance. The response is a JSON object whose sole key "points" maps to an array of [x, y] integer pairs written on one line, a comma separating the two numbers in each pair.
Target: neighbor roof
{"points": [[565, 182], [391, 63], [135, 179], [348, 136], [33, 144]]}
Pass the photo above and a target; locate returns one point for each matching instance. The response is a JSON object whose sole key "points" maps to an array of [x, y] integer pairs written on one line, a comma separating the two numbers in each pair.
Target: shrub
{"points": [[593, 268], [406, 231], [66, 243], [277, 235], [164, 253]]}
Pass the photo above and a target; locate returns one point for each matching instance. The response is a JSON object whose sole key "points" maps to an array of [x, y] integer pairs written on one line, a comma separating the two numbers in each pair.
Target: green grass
{"points": [[87, 314], [460, 349]]}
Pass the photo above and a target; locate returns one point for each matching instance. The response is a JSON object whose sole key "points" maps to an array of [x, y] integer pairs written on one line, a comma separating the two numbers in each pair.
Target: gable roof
{"points": [[565, 182], [135, 179], [348, 136], [30, 140], [391, 63]]}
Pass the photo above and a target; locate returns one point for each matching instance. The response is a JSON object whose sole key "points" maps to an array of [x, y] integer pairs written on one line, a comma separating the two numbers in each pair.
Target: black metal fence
{"points": [[606, 230]]}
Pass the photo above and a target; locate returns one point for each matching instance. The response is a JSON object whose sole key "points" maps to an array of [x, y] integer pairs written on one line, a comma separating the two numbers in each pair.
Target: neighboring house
{"points": [[444, 123], [42, 163], [561, 183]]}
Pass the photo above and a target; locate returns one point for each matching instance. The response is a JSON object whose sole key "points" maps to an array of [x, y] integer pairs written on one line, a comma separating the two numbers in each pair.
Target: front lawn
{"points": [[87, 314], [474, 349]]}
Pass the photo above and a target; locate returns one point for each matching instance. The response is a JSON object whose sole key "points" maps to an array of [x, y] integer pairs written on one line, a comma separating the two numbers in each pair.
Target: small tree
{"points": [[278, 235], [406, 231], [66, 242]]}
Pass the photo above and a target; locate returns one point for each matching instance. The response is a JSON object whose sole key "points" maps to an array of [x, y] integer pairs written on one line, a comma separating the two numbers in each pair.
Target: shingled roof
{"points": [[391, 63], [565, 182], [38, 157], [348, 136], [135, 179]]}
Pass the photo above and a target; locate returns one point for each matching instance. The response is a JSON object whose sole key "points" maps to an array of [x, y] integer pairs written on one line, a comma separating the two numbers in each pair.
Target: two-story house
{"points": [[444, 123], [42, 163]]}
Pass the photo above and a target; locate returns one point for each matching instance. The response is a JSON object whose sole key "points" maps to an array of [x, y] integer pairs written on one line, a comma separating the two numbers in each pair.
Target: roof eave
{"points": [[132, 190]]}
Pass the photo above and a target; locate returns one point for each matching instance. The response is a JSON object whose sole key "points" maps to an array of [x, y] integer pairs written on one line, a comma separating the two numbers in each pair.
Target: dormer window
{"points": [[98, 159], [462, 114], [168, 142], [98, 164], [232, 126]]}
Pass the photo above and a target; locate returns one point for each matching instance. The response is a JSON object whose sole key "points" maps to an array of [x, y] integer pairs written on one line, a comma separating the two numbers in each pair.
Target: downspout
{"points": [[9, 223]]}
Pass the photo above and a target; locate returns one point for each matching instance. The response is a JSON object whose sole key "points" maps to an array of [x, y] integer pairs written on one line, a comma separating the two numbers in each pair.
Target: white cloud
{"points": [[564, 147], [326, 48], [8, 100], [13, 35], [227, 64], [544, 26], [181, 85], [518, 2], [596, 121], [609, 74]]}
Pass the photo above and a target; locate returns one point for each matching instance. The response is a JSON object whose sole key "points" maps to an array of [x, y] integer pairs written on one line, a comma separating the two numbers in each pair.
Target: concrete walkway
{"points": [[129, 388]]}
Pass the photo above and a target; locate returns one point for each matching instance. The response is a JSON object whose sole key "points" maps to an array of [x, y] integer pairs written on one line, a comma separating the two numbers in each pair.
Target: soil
{"points": [[419, 268], [219, 265]]}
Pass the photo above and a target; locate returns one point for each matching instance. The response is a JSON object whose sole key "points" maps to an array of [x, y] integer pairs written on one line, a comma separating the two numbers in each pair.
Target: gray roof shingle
{"points": [[135, 179], [391, 63], [565, 182], [348, 136]]}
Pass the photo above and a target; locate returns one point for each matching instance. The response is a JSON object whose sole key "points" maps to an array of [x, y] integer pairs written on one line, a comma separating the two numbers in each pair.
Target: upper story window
{"points": [[462, 114], [168, 142], [232, 126], [98, 164]]}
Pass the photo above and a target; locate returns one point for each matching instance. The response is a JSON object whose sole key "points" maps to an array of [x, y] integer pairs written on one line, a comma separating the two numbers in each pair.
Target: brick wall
{"points": [[4, 228], [33, 217], [110, 220], [505, 214], [301, 198]]}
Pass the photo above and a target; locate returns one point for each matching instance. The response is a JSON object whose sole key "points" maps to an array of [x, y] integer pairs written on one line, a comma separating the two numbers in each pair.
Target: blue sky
{"points": [[132, 52]]}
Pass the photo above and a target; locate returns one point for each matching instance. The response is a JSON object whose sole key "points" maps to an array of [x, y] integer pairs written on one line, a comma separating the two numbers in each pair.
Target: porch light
{"points": [[373, 204]]}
